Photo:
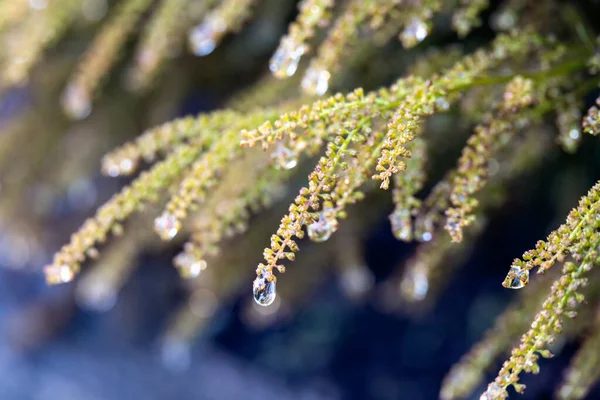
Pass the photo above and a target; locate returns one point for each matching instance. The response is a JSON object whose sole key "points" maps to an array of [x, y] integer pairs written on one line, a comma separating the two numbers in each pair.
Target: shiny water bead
{"points": [[284, 62], [284, 158], [316, 81], [56, 274], [426, 237], [323, 228], [95, 294], [264, 288], [356, 280], [516, 278], [76, 102], [189, 266], [203, 38], [415, 285], [401, 222], [414, 33], [166, 226], [441, 103], [503, 20], [113, 167]]}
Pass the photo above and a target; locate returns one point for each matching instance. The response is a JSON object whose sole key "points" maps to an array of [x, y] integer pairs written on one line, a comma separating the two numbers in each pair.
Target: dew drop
{"points": [[264, 288], [284, 62], [316, 81], [166, 226], [516, 278], [401, 225], [76, 102], [414, 33], [323, 228], [442, 104], [415, 285], [426, 237], [284, 158], [189, 266], [56, 274], [203, 38], [95, 295], [356, 281]]}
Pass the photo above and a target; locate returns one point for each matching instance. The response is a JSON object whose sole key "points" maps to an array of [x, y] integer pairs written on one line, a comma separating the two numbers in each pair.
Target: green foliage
{"points": [[215, 176]]}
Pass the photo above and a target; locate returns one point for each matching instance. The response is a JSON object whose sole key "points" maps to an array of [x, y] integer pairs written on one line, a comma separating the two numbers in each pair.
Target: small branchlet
{"points": [[569, 238], [162, 39], [583, 371], [406, 185], [488, 139], [313, 14], [201, 130], [100, 57], [228, 16], [564, 296]]}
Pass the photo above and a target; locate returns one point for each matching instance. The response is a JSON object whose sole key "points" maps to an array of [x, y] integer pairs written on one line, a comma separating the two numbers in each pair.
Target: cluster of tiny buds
{"points": [[591, 122]]}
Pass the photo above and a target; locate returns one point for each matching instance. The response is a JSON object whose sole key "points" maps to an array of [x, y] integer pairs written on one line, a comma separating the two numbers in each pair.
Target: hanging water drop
{"points": [[56, 274], [316, 81], [323, 228], [76, 102], [414, 33], [203, 38], [401, 225], [284, 158], [284, 62], [166, 226], [516, 278], [442, 104], [189, 266], [264, 288]]}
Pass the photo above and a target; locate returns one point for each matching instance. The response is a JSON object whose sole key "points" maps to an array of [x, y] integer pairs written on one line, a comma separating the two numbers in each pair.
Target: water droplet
{"points": [[323, 228], [574, 134], [284, 158], [56, 274], [426, 236], [188, 265], [264, 288], [504, 20], [203, 38], [442, 104], [356, 280], [516, 278], [415, 284], [316, 81], [117, 167], [96, 295], [167, 226], [76, 102], [401, 225], [284, 62], [414, 33]]}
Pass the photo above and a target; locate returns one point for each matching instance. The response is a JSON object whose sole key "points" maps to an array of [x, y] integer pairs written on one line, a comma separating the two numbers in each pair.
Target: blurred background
{"points": [[136, 330]]}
